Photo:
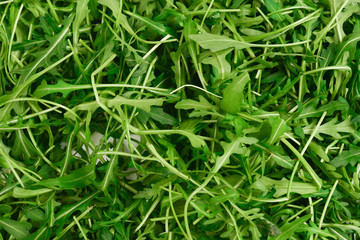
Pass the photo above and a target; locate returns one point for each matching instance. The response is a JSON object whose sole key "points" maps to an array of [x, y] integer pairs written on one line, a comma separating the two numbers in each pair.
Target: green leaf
{"points": [[57, 43], [19, 230], [331, 128], [288, 229], [229, 149], [313, 229], [330, 108], [79, 178], [159, 115], [69, 209], [144, 104], [233, 94], [274, 6], [158, 27], [351, 156], [278, 128], [281, 159], [81, 12], [219, 61], [28, 193], [318, 150], [23, 147], [5, 208], [113, 5], [215, 42], [35, 214], [281, 186], [202, 104], [268, 227], [60, 87]]}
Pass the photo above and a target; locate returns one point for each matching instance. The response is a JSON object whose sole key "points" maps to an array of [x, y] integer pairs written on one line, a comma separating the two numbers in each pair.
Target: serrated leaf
{"points": [[43, 57], [218, 61], [144, 104], [351, 156], [233, 94], [280, 159], [215, 42], [281, 186], [288, 229], [79, 178], [229, 149], [60, 87], [330, 108], [278, 128], [202, 104], [331, 128]]}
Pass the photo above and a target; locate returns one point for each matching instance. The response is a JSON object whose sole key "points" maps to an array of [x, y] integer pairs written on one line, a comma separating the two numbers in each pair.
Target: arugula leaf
{"points": [[19, 230], [281, 186], [351, 156], [216, 43], [218, 61], [159, 115], [331, 128], [289, 229], [233, 95], [43, 57]]}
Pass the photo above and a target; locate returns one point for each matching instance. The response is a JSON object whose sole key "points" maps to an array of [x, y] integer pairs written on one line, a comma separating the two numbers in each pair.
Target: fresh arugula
{"points": [[175, 120]]}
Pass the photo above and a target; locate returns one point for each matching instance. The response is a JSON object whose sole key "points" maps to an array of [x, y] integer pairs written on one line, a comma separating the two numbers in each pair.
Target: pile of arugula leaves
{"points": [[218, 119]]}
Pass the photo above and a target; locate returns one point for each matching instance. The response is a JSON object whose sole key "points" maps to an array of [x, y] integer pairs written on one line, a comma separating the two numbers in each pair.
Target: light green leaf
{"points": [[79, 178], [318, 150], [331, 128], [159, 115], [229, 149], [278, 128], [113, 5], [281, 186], [288, 229], [218, 61], [27, 193], [273, 6], [19, 230], [60, 87], [144, 104], [215, 42], [280, 159], [330, 108], [313, 229], [233, 95], [57, 43], [351, 156], [203, 104], [23, 147], [81, 12]]}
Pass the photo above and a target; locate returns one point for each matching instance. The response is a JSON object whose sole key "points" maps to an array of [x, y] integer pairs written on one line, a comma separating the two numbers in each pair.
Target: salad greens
{"points": [[163, 119]]}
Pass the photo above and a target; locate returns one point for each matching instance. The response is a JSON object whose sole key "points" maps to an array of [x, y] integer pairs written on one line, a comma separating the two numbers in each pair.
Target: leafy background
{"points": [[217, 119]]}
